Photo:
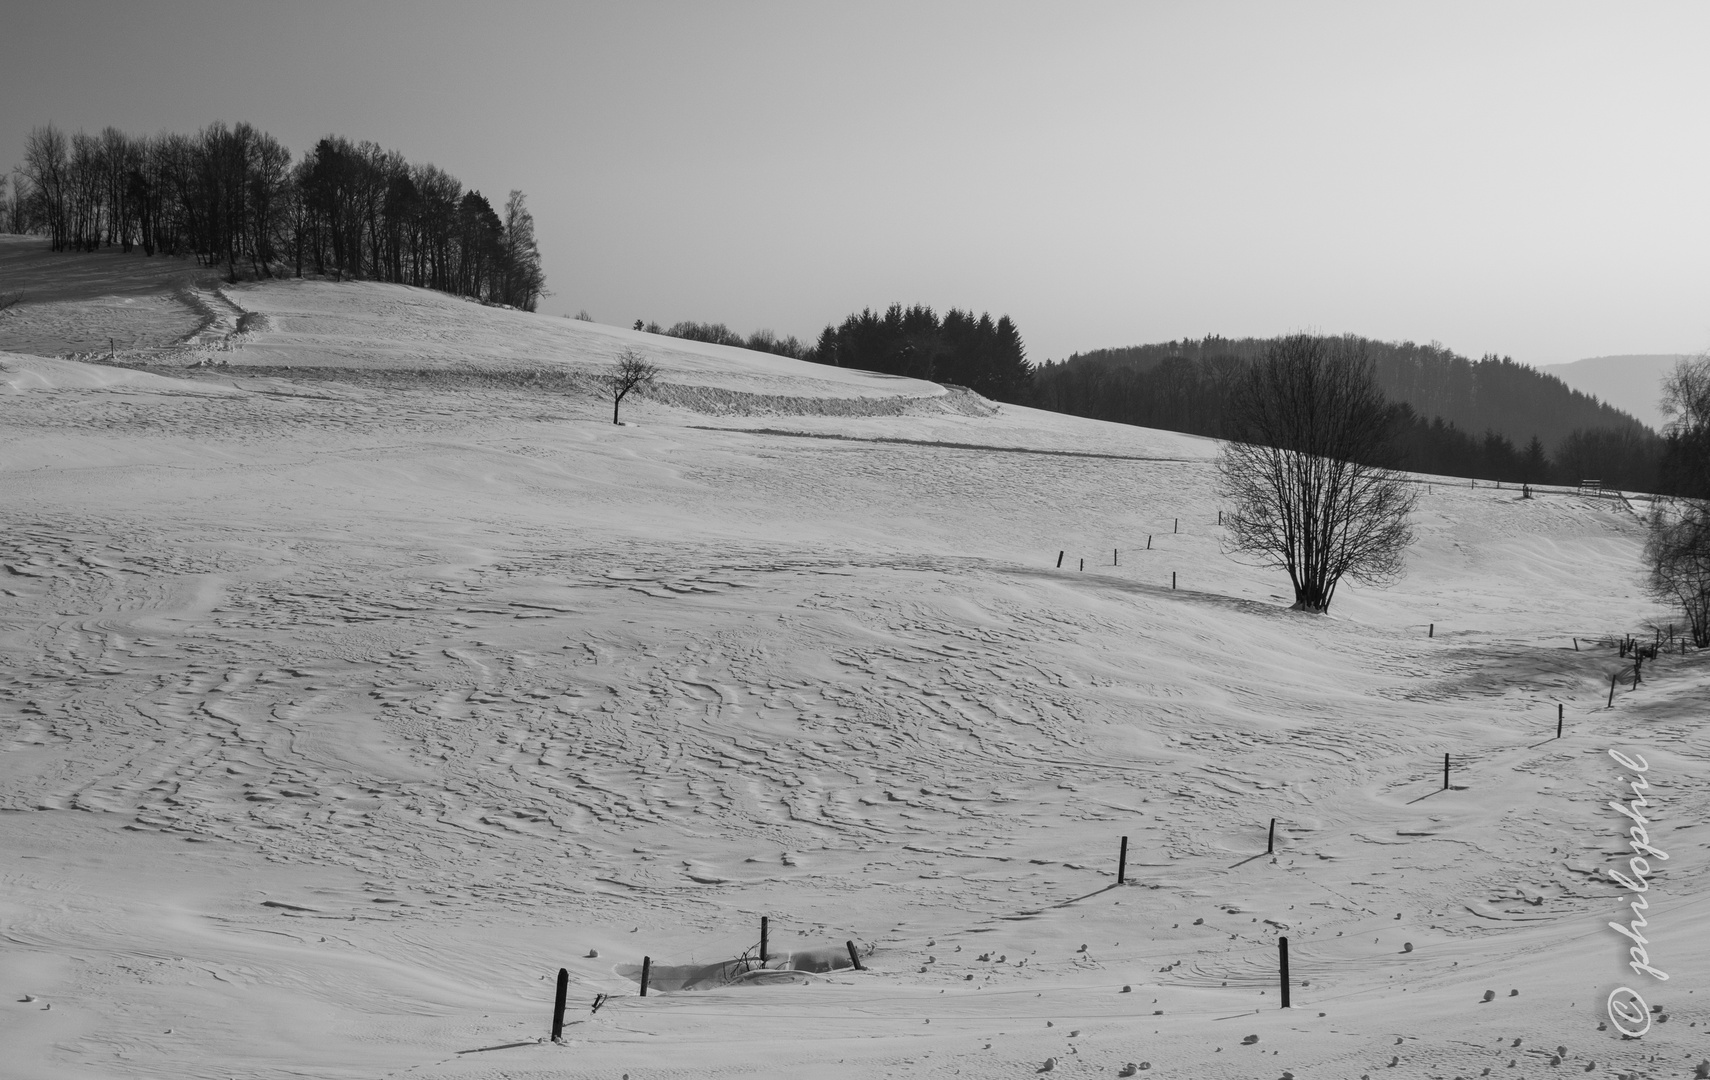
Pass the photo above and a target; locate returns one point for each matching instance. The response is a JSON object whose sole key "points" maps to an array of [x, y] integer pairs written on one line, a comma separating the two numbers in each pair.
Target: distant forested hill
{"points": [[1490, 394], [1490, 418]]}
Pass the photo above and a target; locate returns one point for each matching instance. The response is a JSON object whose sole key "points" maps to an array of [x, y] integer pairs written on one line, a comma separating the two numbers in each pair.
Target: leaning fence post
{"points": [[558, 1004], [1271, 843], [1282, 957], [1122, 862], [646, 971], [1612, 678], [853, 957], [1059, 560]]}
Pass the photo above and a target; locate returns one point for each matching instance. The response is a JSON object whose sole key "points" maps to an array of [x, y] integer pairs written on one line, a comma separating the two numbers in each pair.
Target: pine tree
{"points": [[1534, 463]]}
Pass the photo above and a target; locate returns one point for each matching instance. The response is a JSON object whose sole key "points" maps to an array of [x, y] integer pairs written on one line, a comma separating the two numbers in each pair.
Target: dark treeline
{"points": [[1490, 419], [960, 349], [232, 197], [1626, 457], [720, 334], [963, 350]]}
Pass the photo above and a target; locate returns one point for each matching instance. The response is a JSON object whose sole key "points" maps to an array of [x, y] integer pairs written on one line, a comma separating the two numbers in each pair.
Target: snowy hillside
{"points": [[342, 708]]}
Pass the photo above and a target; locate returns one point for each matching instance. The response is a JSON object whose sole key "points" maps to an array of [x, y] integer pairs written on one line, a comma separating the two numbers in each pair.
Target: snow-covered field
{"points": [[342, 707]]}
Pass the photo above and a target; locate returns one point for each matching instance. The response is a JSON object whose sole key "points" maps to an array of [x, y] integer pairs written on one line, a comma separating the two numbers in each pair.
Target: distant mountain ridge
{"points": [[1631, 382]]}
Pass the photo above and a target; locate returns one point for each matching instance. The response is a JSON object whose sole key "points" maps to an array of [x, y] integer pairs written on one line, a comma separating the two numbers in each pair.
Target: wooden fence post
{"points": [[1558, 719], [1122, 862], [853, 957], [763, 928], [1445, 771], [1059, 560], [1172, 579], [1611, 704], [558, 1004], [1271, 843], [646, 972], [1282, 957]]}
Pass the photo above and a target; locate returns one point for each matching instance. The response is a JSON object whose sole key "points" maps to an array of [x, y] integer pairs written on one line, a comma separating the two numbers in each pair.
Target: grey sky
{"points": [[1521, 179]]}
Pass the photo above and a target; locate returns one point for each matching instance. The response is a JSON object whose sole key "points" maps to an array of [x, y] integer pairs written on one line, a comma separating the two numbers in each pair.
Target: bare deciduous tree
{"points": [[1686, 435], [45, 167], [1677, 562], [632, 372], [1303, 468], [1677, 552]]}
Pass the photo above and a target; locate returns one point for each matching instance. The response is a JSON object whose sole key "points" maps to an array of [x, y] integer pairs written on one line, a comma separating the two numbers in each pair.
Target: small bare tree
{"points": [[632, 372], [11, 299], [1304, 469]]}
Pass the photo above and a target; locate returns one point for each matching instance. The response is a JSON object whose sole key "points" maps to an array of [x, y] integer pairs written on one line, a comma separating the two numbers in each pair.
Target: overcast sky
{"points": [[1530, 180]]}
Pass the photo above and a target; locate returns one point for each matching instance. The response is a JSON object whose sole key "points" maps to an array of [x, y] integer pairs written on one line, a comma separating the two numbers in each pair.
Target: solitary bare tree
{"points": [[1303, 468], [1686, 436], [1677, 562], [1677, 551], [632, 372]]}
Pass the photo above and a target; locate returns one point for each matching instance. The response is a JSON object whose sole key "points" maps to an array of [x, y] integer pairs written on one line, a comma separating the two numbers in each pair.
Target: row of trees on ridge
{"points": [[960, 349], [233, 197]]}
